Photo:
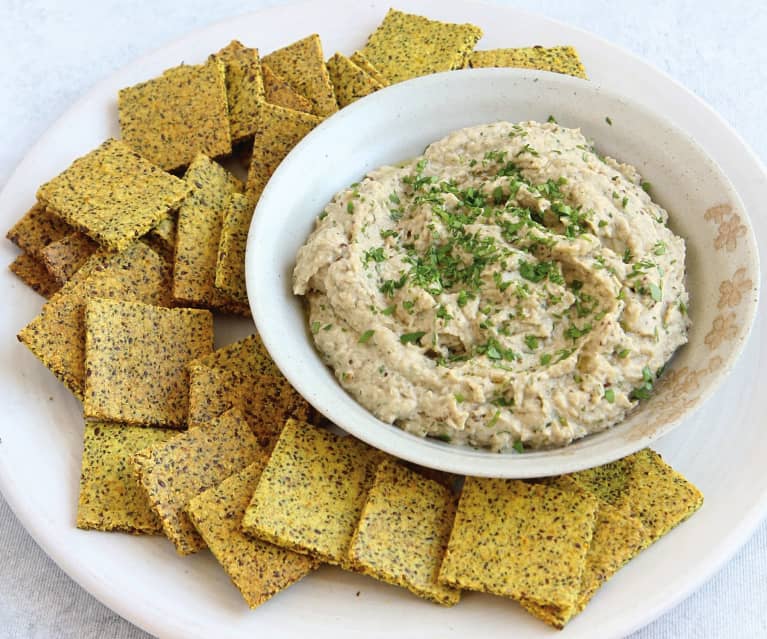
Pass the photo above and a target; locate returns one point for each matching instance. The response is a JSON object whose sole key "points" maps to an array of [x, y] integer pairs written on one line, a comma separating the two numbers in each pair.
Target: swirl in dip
{"points": [[509, 288]]}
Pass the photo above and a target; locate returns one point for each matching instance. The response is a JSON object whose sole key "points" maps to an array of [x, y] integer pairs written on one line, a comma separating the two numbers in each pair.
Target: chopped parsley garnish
{"points": [[315, 327], [389, 286], [412, 338], [552, 119], [608, 120], [375, 255], [459, 398], [389, 310], [610, 395], [644, 390], [350, 207], [646, 186], [393, 197], [655, 292], [527, 149], [659, 248], [540, 271], [365, 337], [494, 350], [623, 353], [531, 341], [494, 419], [545, 359], [443, 438], [388, 233], [443, 313], [518, 446], [573, 332], [322, 215]]}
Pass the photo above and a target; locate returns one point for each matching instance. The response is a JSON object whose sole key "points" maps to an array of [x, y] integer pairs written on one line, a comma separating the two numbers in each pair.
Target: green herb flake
{"points": [[365, 337], [412, 338], [659, 248], [531, 341], [610, 395], [655, 292], [315, 327], [545, 359], [608, 120], [389, 310], [518, 446], [350, 207], [459, 398]]}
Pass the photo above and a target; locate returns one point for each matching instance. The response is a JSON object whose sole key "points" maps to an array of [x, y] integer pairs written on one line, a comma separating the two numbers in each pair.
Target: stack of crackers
{"points": [[138, 242]]}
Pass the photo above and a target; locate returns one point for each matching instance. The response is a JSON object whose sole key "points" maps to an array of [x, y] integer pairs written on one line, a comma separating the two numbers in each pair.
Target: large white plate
{"points": [[722, 450]]}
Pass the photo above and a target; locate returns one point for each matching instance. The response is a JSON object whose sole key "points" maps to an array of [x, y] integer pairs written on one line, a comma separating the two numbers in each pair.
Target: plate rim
{"points": [[34, 524]]}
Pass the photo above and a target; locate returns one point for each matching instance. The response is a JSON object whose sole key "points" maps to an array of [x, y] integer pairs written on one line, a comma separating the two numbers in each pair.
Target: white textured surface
{"points": [[53, 52]]}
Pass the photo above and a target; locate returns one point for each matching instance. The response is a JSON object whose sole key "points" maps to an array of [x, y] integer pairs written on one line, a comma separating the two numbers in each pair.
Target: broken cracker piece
{"points": [[302, 65], [135, 360], [279, 92], [312, 492], [244, 87], [57, 335], [230, 263], [407, 46], [172, 118], [403, 532], [363, 63], [64, 257], [33, 273], [37, 228], [110, 498], [350, 82], [257, 568], [176, 471], [112, 194]]}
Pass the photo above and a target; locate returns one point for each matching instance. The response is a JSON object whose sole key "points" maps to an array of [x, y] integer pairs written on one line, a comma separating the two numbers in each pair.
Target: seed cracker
{"points": [[302, 65], [312, 492], [556, 59], [244, 87], [248, 356], [279, 130], [407, 46], [64, 257], [643, 486], [183, 112], [279, 92], [110, 498], [178, 470], [257, 568], [135, 360], [230, 263], [403, 532], [198, 234], [57, 335], [33, 273], [112, 194], [520, 540], [165, 231], [37, 228], [363, 63], [350, 82]]}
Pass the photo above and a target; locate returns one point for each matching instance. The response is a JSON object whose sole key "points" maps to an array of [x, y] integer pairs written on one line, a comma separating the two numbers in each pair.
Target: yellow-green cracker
{"points": [[244, 87], [302, 65], [165, 231], [403, 532], [520, 540], [230, 263], [37, 228], [279, 130], [363, 63], [183, 112], [64, 257], [113, 194], [279, 92], [57, 335], [257, 568], [135, 360], [176, 471], [198, 234], [248, 356], [350, 82], [110, 498], [33, 273], [312, 492], [407, 46], [643, 486], [557, 59]]}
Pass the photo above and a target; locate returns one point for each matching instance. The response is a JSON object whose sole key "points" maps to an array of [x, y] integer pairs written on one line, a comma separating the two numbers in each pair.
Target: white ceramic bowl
{"points": [[396, 124]]}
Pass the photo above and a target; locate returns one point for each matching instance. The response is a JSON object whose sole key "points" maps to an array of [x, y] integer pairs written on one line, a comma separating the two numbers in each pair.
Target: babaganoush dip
{"points": [[511, 288]]}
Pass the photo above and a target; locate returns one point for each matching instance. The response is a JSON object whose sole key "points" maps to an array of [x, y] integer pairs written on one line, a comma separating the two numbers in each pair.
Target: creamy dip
{"points": [[510, 288]]}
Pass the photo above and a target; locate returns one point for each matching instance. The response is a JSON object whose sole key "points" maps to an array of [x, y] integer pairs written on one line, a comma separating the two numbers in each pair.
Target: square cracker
{"points": [[247, 356], [230, 263], [312, 492], [616, 540], [520, 540], [37, 228], [110, 498], [135, 360], [33, 273], [279, 92], [64, 257], [113, 194], [646, 488], [302, 65], [244, 87], [557, 59], [198, 233], [350, 82], [173, 117], [174, 472], [279, 130], [57, 335], [403, 532], [257, 568], [406, 46], [363, 63]]}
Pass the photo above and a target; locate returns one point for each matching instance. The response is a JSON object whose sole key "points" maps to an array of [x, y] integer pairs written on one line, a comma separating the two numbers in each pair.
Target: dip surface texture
{"points": [[509, 288]]}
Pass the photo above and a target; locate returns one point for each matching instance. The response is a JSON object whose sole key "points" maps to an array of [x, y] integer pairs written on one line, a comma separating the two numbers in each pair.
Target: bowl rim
{"points": [[467, 460]]}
